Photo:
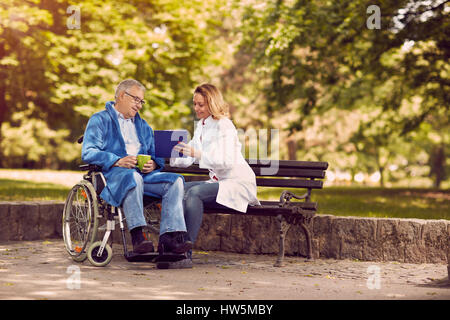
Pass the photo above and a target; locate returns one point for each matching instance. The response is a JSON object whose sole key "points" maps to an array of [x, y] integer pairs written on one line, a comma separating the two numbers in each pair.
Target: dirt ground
{"points": [[42, 270]]}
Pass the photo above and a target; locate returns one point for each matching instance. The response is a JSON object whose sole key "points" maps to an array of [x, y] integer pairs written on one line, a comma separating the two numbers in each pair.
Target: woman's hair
{"points": [[214, 100]]}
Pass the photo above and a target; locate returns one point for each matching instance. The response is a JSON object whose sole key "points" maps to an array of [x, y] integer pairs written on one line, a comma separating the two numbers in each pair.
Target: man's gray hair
{"points": [[127, 84]]}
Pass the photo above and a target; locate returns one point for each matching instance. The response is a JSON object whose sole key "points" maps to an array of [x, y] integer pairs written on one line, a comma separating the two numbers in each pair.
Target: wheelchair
{"points": [[86, 216]]}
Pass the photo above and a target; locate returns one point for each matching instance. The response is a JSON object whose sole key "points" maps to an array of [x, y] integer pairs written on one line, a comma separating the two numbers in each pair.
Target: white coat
{"points": [[221, 154]]}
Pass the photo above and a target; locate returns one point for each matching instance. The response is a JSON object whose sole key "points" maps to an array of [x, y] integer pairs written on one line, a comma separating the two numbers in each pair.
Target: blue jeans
{"points": [[197, 195], [172, 218]]}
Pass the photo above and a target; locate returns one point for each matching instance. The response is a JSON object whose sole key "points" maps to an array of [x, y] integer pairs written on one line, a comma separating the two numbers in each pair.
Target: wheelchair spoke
{"points": [[78, 219]]}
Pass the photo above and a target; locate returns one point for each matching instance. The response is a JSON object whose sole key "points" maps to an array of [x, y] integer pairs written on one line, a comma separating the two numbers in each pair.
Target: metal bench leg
{"points": [[448, 273], [283, 226], [308, 240]]}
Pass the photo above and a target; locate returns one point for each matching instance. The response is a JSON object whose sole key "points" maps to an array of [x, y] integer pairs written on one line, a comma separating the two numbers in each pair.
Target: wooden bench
{"points": [[280, 174]]}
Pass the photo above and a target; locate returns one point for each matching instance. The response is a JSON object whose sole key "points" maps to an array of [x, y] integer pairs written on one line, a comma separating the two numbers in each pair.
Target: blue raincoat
{"points": [[103, 145]]}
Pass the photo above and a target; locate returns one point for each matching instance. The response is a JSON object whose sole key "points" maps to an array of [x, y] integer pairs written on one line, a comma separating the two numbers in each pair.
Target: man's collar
{"points": [[120, 115]]}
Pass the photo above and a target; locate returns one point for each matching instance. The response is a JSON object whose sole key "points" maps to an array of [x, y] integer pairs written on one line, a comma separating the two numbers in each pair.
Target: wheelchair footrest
{"points": [[170, 257], [141, 257], [154, 257]]}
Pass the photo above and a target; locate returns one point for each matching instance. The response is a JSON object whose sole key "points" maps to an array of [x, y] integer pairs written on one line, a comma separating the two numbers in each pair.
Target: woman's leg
{"points": [[196, 195]]}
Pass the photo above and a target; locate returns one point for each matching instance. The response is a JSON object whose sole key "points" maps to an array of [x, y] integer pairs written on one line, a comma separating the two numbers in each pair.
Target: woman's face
{"points": [[200, 107]]}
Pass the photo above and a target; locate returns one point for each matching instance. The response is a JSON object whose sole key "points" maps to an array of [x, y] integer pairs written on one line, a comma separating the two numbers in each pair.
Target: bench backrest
{"points": [[281, 173]]}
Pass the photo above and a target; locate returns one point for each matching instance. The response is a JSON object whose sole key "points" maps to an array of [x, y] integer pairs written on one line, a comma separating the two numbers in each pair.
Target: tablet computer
{"points": [[165, 140]]}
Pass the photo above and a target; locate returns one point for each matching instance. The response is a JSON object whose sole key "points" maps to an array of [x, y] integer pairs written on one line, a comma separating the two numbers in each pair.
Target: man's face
{"points": [[129, 102]]}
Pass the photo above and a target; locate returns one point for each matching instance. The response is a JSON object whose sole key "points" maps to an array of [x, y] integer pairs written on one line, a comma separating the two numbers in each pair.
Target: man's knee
{"points": [[138, 179], [178, 184], [137, 189]]}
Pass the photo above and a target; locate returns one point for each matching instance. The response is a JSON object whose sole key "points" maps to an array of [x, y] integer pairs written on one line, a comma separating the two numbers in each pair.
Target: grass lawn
{"points": [[21, 190], [376, 202], [340, 201]]}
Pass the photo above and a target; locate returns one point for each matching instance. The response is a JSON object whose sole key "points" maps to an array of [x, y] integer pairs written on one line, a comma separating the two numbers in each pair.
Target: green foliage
{"points": [[69, 74], [30, 140], [313, 57], [361, 99], [321, 54]]}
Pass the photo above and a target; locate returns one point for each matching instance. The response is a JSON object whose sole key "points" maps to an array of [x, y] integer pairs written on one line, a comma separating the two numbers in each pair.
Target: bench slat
{"points": [[191, 169], [279, 183], [264, 210], [289, 164], [319, 165], [289, 183], [301, 204], [289, 172], [281, 172]]}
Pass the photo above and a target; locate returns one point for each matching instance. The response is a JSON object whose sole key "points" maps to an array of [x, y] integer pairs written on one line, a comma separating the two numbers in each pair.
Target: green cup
{"points": [[142, 159]]}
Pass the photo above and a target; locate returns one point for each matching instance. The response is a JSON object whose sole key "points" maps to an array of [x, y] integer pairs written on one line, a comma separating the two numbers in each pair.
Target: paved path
{"points": [[43, 270]]}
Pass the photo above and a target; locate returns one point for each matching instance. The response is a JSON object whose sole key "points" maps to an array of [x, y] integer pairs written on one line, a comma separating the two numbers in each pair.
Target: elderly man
{"points": [[112, 140]]}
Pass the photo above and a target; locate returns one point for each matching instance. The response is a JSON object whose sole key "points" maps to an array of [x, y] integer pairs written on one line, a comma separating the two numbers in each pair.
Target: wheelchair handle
{"points": [[88, 167]]}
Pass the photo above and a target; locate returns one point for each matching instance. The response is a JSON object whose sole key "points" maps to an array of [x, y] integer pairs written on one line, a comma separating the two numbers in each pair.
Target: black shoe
{"points": [[144, 247], [173, 242], [140, 244]]}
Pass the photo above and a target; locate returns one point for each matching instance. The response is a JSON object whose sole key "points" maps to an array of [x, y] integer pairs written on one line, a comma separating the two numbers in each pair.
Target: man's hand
{"points": [[127, 162], [149, 166]]}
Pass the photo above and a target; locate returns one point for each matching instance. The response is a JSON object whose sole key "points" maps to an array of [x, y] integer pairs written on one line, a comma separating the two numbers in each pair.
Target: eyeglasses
{"points": [[136, 99]]}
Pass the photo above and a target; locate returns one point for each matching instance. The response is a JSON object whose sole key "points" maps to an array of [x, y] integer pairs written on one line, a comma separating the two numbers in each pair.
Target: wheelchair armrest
{"points": [[99, 182]]}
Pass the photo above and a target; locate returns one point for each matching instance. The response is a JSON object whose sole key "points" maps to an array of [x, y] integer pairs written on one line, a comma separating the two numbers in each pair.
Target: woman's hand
{"points": [[149, 166], [188, 150]]}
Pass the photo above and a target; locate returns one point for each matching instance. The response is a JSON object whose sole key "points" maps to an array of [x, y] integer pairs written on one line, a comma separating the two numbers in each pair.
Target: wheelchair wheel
{"points": [[80, 220], [152, 214], [103, 259]]}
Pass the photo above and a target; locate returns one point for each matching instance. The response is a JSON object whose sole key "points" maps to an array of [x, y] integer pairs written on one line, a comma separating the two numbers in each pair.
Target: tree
{"points": [[320, 54], [315, 56], [67, 74], [22, 33]]}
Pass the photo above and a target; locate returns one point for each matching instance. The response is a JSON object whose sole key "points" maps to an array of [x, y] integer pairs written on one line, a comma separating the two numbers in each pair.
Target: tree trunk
{"points": [[292, 149], [437, 165], [381, 169], [3, 108]]}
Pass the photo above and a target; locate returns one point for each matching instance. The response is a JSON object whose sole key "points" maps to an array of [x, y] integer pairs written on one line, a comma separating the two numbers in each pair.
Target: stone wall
{"points": [[30, 220], [369, 239]]}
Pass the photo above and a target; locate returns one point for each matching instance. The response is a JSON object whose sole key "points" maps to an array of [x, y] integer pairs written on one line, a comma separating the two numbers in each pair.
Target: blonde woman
{"points": [[216, 147]]}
